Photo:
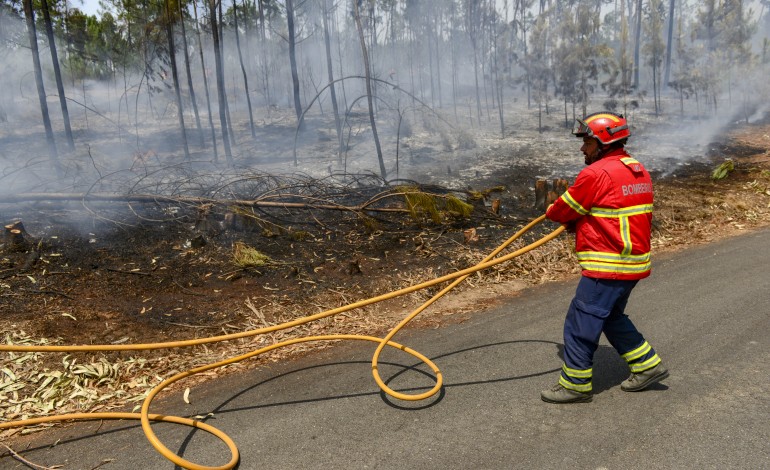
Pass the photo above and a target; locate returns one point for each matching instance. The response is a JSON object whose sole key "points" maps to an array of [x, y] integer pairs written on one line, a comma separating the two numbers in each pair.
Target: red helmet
{"points": [[605, 127]]}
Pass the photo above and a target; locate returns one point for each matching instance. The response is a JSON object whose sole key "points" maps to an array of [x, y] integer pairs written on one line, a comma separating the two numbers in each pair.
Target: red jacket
{"points": [[611, 206]]}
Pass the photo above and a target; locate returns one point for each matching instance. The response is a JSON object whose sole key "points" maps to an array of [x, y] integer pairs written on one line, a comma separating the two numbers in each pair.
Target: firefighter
{"points": [[609, 208]]}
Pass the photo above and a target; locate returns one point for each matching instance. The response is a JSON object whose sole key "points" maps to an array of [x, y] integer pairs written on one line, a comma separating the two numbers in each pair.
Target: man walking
{"points": [[610, 210]]}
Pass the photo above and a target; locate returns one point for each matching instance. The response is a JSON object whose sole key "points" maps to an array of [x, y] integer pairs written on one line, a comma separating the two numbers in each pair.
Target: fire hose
{"points": [[145, 417]]}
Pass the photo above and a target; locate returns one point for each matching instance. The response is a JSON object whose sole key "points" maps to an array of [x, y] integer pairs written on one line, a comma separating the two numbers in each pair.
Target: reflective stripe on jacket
{"points": [[611, 207]]}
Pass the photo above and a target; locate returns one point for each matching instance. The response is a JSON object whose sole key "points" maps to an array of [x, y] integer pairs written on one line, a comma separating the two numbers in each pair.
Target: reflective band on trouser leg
{"points": [[642, 358], [578, 380]]}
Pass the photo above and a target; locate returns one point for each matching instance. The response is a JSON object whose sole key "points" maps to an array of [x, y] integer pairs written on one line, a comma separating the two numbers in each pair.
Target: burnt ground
{"points": [[162, 272]]}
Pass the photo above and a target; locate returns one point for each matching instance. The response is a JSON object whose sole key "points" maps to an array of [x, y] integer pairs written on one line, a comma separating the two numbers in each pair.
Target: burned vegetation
{"points": [[192, 257]]}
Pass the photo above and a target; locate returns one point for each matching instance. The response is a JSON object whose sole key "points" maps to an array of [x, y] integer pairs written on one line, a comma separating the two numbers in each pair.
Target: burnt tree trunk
{"points": [[243, 68], [330, 73], [29, 14], [293, 62], [497, 81], [224, 89], [57, 73], [472, 32], [263, 52], [220, 81], [175, 78], [670, 36], [638, 42], [201, 142], [206, 85], [383, 172]]}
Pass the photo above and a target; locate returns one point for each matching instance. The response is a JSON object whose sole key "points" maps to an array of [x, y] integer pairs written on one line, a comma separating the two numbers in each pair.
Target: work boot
{"points": [[559, 394], [642, 380]]}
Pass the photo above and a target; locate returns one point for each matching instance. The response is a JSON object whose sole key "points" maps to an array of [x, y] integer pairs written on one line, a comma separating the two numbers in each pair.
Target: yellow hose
{"points": [[146, 417]]}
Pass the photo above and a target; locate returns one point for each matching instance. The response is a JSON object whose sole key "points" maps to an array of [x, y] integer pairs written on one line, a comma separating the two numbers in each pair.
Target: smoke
{"points": [[434, 123], [760, 114]]}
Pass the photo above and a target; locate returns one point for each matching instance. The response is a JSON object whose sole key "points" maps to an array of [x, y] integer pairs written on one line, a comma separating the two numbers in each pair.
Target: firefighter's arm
{"points": [[575, 202], [571, 226]]}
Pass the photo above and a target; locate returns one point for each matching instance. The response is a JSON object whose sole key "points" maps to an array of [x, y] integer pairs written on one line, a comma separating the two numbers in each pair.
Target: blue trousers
{"points": [[599, 306]]}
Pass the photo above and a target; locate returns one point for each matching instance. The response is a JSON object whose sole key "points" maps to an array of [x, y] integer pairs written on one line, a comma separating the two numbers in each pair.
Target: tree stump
{"points": [[550, 198], [560, 185], [496, 206], [541, 190], [204, 222], [546, 194], [15, 236]]}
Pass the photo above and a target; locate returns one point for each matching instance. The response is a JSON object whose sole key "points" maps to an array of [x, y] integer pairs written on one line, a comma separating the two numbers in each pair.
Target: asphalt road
{"points": [[706, 310]]}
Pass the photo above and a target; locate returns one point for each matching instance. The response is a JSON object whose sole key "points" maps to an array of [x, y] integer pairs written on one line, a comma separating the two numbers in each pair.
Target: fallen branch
{"points": [[151, 198], [316, 203], [49, 292], [27, 462], [121, 271], [188, 291]]}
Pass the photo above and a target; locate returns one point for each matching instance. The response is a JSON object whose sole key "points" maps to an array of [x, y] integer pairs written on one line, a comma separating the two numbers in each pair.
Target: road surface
{"points": [[706, 311]]}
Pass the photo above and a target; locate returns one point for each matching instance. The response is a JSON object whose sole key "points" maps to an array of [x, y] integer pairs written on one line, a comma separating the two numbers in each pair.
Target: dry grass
{"points": [[245, 256]]}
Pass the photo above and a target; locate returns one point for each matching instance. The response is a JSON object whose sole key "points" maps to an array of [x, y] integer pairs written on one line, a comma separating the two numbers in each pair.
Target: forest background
{"points": [[173, 169], [198, 65]]}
